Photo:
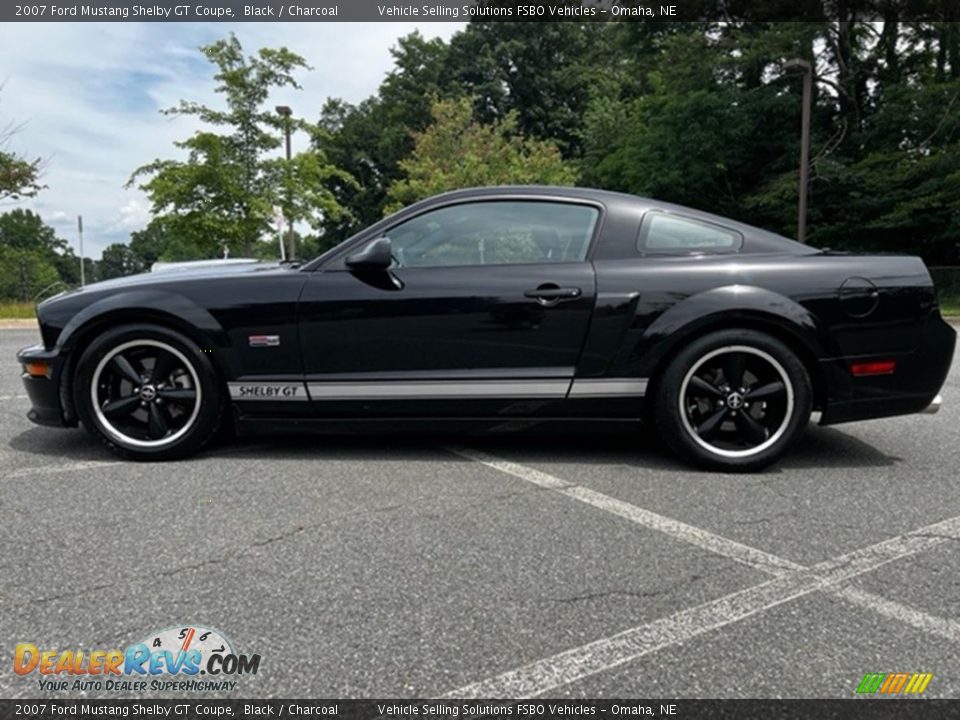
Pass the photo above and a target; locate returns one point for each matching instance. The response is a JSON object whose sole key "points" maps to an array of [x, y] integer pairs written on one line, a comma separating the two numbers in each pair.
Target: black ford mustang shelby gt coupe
{"points": [[497, 309]]}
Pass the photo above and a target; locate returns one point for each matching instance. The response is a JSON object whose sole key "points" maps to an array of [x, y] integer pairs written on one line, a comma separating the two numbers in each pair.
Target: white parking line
{"points": [[944, 627], [71, 467], [13, 397], [607, 653], [688, 533], [793, 581]]}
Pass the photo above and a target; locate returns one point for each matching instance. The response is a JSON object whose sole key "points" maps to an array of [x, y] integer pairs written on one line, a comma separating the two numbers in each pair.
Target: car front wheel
{"points": [[147, 392], [733, 400]]}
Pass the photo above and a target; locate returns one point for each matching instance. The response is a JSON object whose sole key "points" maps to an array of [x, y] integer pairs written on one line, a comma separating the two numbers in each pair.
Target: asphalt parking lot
{"points": [[597, 567]]}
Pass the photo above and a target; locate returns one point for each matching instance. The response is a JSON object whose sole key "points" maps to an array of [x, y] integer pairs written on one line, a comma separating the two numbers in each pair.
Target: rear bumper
{"points": [[934, 407], [44, 392], [913, 388]]}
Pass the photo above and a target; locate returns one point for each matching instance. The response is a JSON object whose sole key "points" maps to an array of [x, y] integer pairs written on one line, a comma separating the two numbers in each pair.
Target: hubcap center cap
{"points": [[148, 393], [734, 401]]}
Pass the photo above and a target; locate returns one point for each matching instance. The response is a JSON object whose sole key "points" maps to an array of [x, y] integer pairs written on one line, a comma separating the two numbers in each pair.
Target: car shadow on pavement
{"points": [[828, 447], [818, 448]]}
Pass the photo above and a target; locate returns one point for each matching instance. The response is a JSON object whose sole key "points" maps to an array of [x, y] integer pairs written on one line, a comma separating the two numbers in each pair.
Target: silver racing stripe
{"points": [[609, 387], [438, 389], [269, 391]]}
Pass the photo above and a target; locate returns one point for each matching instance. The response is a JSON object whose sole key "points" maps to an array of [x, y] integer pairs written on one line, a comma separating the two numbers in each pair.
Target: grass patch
{"points": [[16, 310]]}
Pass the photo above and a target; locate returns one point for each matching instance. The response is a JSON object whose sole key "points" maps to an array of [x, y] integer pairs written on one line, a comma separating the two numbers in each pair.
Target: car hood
{"points": [[174, 275]]}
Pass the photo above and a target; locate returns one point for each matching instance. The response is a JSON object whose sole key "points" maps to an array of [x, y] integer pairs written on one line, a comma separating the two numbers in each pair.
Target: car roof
{"points": [[617, 202], [636, 203]]}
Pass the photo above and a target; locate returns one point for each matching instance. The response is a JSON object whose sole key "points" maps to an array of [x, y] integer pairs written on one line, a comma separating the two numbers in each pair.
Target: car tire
{"points": [[148, 392], [733, 400]]}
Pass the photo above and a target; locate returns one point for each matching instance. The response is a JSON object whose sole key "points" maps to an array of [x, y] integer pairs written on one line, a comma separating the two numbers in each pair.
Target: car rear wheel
{"points": [[147, 392], [733, 400]]}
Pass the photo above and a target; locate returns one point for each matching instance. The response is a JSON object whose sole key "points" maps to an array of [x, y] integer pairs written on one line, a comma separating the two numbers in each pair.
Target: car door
{"points": [[484, 310]]}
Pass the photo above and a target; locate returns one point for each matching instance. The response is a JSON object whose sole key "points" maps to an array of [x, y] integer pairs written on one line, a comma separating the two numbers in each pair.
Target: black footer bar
{"points": [[872, 708]]}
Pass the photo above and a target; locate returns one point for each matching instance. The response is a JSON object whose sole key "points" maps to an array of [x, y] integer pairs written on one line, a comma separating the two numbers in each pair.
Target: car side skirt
{"points": [[435, 389]]}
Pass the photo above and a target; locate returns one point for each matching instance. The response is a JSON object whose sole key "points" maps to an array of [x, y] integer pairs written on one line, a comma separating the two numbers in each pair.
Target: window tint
{"points": [[662, 233], [494, 233]]}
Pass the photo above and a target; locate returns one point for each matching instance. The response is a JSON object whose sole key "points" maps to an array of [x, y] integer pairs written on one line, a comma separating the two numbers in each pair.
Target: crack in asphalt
{"points": [[769, 519], [266, 542], [182, 568], [234, 555], [75, 593]]}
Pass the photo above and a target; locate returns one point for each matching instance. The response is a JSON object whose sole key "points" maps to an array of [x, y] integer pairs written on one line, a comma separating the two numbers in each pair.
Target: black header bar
{"points": [[464, 10]]}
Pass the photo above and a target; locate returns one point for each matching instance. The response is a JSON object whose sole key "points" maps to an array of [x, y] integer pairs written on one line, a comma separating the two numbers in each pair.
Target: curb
{"points": [[18, 323]]}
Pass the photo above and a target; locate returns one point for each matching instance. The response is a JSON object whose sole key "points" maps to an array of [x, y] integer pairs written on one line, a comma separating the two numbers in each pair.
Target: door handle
{"points": [[551, 294]]}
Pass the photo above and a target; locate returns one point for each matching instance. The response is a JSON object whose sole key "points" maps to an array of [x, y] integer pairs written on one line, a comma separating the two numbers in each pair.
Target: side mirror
{"points": [[377, 255]]}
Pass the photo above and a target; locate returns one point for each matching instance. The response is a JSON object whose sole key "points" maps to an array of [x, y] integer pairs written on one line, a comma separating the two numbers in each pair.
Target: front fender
{"points": [[728, 306], [144, 306]]}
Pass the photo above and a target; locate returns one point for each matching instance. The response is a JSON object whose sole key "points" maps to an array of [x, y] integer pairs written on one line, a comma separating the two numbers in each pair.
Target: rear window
{"points": [[664, 234]]}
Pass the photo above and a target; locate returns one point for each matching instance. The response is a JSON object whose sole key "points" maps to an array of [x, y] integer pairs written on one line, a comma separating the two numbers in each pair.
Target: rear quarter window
{"points": [[667, 234]]}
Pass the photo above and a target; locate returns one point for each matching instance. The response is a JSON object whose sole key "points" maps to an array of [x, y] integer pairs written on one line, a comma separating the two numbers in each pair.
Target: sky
{"points": [[87, 99]]}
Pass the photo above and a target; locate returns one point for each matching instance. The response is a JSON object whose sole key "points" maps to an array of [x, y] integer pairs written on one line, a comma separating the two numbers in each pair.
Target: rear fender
{"points": [[730, 306]]}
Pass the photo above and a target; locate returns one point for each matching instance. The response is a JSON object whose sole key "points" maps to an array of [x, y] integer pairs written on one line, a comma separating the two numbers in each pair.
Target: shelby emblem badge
{"points": [[274, 391], [264, 340]]}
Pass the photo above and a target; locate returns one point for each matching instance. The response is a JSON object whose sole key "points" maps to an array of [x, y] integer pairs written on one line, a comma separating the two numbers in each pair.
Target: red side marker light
{"points": [[874, 367]]}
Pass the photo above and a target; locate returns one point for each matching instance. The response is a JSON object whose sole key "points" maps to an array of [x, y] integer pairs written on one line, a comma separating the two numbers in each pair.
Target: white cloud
{"points": [[89, 97]]}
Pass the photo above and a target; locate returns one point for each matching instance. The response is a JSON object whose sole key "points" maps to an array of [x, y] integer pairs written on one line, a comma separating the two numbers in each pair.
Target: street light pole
{"points": [[807, 69], [286, 113], [83, 275]]}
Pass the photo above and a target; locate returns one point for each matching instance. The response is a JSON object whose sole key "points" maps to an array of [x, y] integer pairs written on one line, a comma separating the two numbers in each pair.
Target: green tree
{"points": [[224, 194], [370, 139], [25, 230], [457, 151], [546, 73], [118, 260], [24, 274], [31, 249], [19, 176]]}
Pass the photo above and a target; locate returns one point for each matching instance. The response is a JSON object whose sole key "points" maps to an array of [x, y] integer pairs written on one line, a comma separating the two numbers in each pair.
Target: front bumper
{"points": [[43, 391]]}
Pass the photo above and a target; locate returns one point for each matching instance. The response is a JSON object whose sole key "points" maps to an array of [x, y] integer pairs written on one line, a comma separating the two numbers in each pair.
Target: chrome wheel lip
{"points": [[106, 424], [774, 437]]}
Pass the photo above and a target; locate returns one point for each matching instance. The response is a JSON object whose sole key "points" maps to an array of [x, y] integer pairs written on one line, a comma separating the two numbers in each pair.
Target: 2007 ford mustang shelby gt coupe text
{"points": [[500, 308]]}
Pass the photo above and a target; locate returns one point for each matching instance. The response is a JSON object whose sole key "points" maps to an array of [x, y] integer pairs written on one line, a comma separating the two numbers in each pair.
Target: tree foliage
{"points": [[369, 140], [701, 113], [456, 151], [19, 176], [32, 257], [224, 194]]}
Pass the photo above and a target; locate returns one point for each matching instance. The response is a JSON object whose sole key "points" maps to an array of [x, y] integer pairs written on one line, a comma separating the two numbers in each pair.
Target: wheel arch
{"points": [[732, 308], [173, 312]]}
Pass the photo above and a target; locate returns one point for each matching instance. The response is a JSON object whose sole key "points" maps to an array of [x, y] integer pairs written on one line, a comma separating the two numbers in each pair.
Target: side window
{"points": [[663, 234], [495, 233]]}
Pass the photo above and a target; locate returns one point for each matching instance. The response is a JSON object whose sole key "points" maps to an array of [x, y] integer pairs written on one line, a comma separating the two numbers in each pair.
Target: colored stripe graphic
{"points": [[918, 683], [894, 683], [871, 683]]}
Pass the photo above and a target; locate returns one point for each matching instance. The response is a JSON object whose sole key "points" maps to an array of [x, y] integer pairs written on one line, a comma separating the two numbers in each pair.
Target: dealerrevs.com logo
{"points": [[187, 659]]}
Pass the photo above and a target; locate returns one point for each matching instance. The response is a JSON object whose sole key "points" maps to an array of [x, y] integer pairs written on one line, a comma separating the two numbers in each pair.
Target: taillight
{"points": [[874, 367]]}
